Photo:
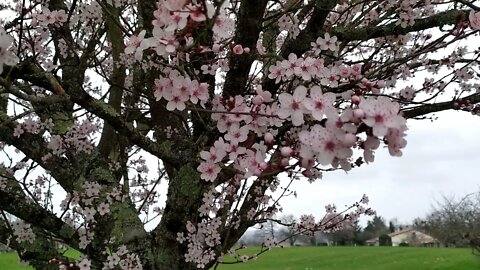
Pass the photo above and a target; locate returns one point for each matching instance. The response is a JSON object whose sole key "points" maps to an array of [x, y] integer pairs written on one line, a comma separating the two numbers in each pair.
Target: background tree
{"points": [[455, 222], [385, 240], [391, 226], [358, 237], [288, 231], [187, 115], [375, 228], [343, 237]]}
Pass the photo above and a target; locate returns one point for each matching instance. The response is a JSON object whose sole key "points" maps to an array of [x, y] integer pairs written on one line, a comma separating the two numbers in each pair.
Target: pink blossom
{"points": [[293, 106], [214, 155], [163, 42], [223, 26], [136, 45], [196, 13], [276, 72], [407, 93], [176, 99], [325, 145], [113, 260], [174, 5], [237, 134], [209, 171], [6, 57], [325, 43], [305, 68], [319, 103], [84, 264], [237, 49], [89, 213], [178, 21], [381, 114], [209, 69], [290, 64], [199, 92], [103, 208], [474, 19], [266, 96]]}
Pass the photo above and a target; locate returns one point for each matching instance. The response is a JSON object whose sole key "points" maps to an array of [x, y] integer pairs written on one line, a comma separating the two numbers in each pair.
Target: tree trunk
{"points": [[185, 192]]}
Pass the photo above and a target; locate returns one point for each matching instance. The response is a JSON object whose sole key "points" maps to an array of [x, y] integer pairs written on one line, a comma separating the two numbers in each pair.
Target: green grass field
{"points": [[9, 261], [336, 258], [360, 258]]}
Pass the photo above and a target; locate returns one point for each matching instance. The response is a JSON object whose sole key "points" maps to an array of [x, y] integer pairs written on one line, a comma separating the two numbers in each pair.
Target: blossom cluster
{"points": [[203, 234], [169, 18], [328, 144], [47, 18], [178, 90], [77, 138], [123, 258], [33, 126], [311, 68], [23, 232], [7, 57]]}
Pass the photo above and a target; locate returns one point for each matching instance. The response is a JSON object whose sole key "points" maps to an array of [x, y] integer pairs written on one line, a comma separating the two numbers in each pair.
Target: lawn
{"points": [[9, 261], [336, 258], [360, 258]]}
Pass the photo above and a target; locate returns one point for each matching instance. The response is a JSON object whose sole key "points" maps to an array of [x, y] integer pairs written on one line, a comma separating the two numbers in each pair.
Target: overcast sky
{"points": [[441, 158]]}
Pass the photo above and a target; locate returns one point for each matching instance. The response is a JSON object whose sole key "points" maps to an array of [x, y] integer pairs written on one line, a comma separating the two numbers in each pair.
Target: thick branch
{"points": [[441, 19], [437, 107], [248, 27], [34, 146], [313, 29], [106, 112], [301, 44], [117, 78], [39, 254], [14, 201], [29, 71]]}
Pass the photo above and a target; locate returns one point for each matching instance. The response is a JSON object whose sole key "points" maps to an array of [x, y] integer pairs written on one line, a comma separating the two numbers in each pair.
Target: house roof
{"points": [[402, 231], [373, 240]]}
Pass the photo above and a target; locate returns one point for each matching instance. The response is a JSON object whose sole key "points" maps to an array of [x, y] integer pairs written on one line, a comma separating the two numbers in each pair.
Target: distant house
{"points": [[372, 242], [410, 236]]}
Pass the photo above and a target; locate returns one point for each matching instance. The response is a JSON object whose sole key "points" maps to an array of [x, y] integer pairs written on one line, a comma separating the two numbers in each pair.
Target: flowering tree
{"points": [[104, 101]]}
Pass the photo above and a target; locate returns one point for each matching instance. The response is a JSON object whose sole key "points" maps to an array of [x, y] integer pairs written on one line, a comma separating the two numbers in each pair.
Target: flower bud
{"points": [[237, 49], [263, 165], [216, 48], [355, 100], [349, 139], [358, 113], [257, 100], [268, 137], [286, 151]]}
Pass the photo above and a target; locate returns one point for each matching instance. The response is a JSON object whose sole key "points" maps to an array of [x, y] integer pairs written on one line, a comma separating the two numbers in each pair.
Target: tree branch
{"points": [[365, 33], [14, 201], [248, 28], [436, 107]]}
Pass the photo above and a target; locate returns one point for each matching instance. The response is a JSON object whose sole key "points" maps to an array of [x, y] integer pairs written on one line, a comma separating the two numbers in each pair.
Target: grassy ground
{"points": [[9, 261], [334, 258], [361, 258]]}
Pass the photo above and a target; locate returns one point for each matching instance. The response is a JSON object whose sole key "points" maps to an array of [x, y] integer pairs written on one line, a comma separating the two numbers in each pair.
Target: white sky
{"points": [[441, 158]]}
